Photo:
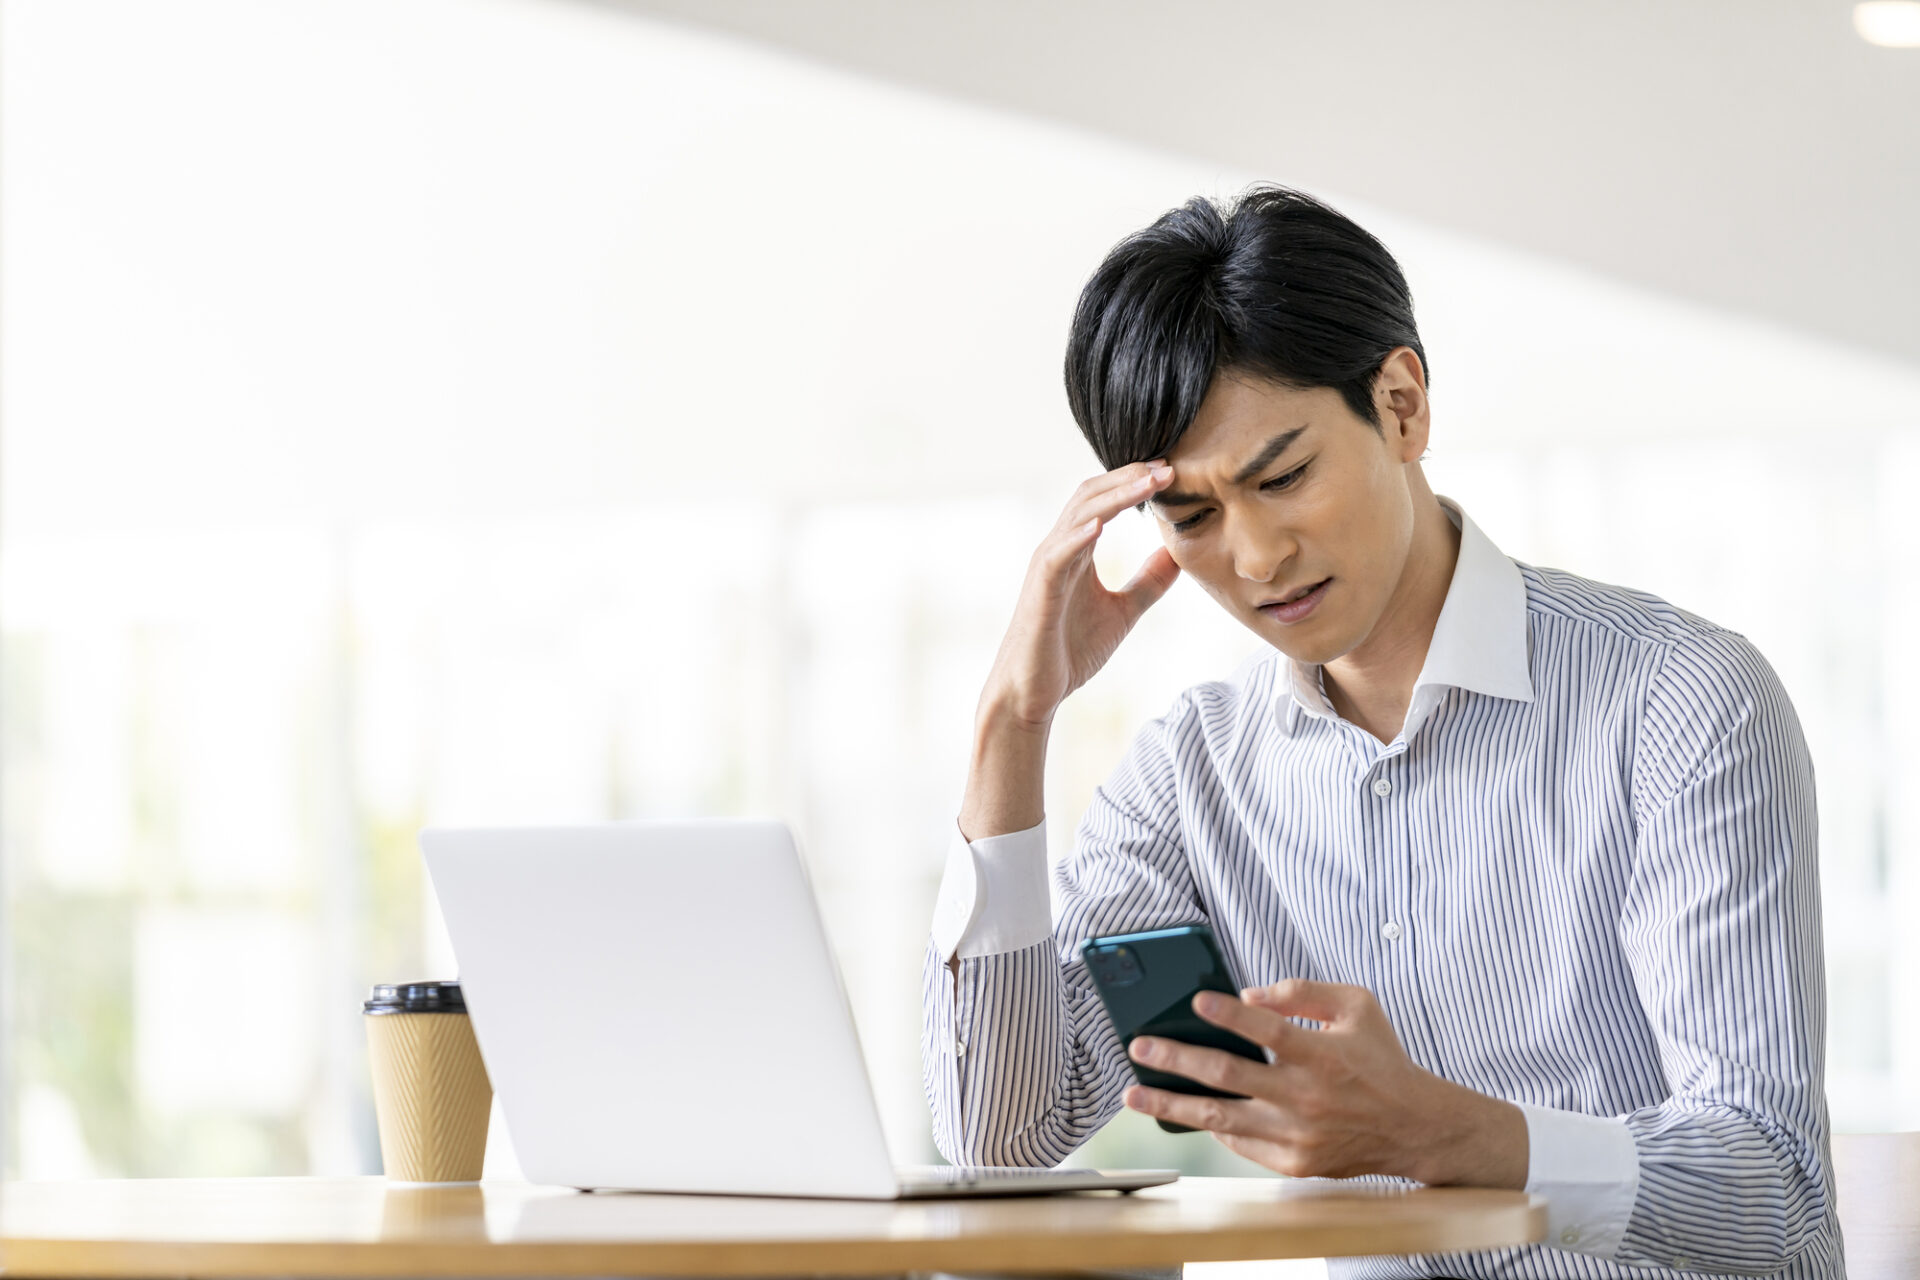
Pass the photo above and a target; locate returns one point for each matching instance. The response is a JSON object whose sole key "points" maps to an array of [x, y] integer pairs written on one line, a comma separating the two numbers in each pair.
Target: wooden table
{"points": [[363, 1227]]}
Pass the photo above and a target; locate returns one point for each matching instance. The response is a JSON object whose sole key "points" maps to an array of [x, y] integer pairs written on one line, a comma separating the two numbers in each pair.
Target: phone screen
{"points": [[1147, 982]]}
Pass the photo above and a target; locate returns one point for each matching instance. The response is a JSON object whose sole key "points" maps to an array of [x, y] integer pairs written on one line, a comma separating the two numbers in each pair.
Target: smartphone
{"points": [[1147, 981]]}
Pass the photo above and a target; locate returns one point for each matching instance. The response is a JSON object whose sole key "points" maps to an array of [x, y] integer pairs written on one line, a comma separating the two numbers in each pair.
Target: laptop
{"points": [[659, 1011]]}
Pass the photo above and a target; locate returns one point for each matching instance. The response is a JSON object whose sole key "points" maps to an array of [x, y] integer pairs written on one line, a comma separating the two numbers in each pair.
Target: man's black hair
{"points": [[1274, 284]]}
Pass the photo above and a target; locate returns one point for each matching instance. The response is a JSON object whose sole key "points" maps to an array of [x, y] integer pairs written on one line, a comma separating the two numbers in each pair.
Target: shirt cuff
{"points": [[993, 895], [1588, 1170]]}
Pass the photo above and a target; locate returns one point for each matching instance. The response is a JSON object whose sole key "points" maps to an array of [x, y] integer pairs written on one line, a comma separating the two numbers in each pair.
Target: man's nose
{"points": [[1258, 554]]}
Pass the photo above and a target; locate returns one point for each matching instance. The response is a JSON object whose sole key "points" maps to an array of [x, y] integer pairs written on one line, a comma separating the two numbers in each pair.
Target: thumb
{"points": [[1150, 582]]}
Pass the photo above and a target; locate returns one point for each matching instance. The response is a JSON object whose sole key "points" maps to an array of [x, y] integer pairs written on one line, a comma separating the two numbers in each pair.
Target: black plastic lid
{"points": [[415, 997]]}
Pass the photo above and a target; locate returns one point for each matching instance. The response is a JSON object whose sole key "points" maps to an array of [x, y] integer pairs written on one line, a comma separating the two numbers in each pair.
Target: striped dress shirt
{"points": [[1582, 878]]}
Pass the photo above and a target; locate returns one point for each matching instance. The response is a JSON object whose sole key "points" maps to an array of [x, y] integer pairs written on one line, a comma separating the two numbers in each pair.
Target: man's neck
{"points": [[1372, 686]]}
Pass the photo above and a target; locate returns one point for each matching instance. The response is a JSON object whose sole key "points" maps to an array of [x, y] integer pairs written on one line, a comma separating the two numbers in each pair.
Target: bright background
{"points": [[460, 411]]}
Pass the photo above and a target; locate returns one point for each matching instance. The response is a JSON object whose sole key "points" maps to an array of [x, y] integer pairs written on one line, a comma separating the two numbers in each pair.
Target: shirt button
{"points": [[1382, 787], [1390, 931], [959, 1048], [1571, 1236]]}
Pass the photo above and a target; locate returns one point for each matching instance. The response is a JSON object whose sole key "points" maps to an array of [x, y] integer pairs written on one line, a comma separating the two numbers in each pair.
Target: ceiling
{"points": [[1754, 155]]}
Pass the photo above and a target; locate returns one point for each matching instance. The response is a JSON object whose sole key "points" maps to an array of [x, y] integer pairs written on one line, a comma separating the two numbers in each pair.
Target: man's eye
{"points": [[1277, 484], [1286, 481]]}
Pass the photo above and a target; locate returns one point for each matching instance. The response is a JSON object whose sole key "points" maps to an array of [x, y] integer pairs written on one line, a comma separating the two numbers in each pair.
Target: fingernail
{"points": [[1161, 471], [1207, 1002], [1145, 1050]]}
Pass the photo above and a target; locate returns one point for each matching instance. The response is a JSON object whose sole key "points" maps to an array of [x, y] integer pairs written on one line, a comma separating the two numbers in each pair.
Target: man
{"points": [[1521, 868]]}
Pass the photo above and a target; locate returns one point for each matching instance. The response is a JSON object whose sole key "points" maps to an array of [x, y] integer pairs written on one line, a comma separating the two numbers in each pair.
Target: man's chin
{"points": [[1310, 646]]}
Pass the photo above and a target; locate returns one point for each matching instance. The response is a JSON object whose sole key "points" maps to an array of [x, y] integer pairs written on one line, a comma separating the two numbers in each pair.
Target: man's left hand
{"points": [[1337, 1102]]}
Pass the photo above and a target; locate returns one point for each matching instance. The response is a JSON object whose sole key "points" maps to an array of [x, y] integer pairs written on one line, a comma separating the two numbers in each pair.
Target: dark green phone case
{"points": [[1147, 981]]}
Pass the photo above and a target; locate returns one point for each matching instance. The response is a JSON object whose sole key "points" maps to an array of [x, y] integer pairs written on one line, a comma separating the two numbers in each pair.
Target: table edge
{"points": [[27, 1256]]}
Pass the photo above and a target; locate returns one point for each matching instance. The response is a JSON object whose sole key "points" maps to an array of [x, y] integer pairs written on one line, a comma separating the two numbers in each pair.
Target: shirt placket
{"points": [[1383, 799]]}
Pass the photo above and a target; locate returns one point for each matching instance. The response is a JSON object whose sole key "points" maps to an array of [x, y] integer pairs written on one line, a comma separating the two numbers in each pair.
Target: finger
{"points": [[1328, 1002], [1127, 486], [1126, 474], [1264, 1026], [1150, 582], [1059, 552], [1227, 1071], [1217, 1115]]}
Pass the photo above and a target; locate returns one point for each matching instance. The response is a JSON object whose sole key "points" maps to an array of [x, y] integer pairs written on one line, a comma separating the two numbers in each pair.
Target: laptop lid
{"points": [[658, 1008]]}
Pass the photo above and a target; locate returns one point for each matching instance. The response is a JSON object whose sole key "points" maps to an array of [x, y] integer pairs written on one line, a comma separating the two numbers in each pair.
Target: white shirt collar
{"points": [[1479, 641]]}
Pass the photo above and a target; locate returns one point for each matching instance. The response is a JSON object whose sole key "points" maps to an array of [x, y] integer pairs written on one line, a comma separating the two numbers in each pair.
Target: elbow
{"points": [[992, 1136], [1734, 1193], [1768, 1241], [1019, 1148], [1815, 1231], [1809, 1227]]}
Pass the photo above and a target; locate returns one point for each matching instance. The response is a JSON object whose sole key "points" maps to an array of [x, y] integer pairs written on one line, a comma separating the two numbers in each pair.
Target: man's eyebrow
{"points": [[1275, 447]]}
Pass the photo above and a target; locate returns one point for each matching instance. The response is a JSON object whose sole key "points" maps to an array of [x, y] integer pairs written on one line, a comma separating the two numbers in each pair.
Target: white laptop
{"points": [[659, 1011]]}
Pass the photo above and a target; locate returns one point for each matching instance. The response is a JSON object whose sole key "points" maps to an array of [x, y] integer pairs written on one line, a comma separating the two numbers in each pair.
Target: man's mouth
{"points": [[1297, 593], [1295, 604]]}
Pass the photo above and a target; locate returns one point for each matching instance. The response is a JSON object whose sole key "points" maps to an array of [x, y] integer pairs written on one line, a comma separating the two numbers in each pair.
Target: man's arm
{"points": [[1021, 1064], [1721, 927], [1004, 805], [992, 987]]}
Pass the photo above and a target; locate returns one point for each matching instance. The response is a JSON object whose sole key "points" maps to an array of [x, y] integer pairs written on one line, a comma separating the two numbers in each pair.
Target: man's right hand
{"points": [[1067, 623], [1065, 627]]}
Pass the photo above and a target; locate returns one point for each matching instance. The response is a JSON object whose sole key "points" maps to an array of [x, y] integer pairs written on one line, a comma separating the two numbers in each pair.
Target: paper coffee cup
{"points": [[431, 1095]]}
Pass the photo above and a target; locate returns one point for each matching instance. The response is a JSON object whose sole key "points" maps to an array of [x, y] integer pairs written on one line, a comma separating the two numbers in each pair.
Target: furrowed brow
{"points": [[1274, 448]]}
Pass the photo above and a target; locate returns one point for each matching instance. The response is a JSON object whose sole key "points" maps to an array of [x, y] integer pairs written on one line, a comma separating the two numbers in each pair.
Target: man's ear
{"points": [[1400, 403]]}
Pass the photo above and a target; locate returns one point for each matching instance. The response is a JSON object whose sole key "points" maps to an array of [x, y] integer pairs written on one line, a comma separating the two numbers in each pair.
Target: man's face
{"points": [[1278, 492]]}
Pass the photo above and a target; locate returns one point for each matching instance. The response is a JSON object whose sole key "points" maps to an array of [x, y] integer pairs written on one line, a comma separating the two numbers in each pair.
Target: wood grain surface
{"points": [[364, 1227]]}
